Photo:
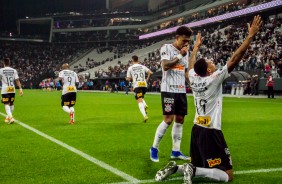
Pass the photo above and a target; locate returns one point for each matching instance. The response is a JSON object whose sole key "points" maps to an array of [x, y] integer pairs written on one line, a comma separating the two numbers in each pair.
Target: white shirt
{"points": [[207, 92], [69, 79], [173, 80], [8, 75], [137, 73]]}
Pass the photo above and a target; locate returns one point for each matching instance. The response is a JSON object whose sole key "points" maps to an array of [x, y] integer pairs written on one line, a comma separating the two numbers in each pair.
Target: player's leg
{"points": [[215, 162], [139, 95], [177, 129], [6, 101], [66, 104], [168, 114]]}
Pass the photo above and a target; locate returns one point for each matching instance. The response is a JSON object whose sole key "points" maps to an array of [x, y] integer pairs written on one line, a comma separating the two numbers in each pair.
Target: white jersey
{"points": [[137, 72], [173, 80], [8, 75], [207, 92], [69, 79]]}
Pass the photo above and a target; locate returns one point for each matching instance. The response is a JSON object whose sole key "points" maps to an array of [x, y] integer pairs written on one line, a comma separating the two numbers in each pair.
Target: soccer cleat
{"points": [[154, 154], [6, 120], [146, 109], [165, 172], [189, 172], [146, 119], [11, 120], [178, 155]]}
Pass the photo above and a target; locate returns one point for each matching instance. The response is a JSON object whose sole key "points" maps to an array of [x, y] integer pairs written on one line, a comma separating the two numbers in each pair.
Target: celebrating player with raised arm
{"points": [[210, 156]]}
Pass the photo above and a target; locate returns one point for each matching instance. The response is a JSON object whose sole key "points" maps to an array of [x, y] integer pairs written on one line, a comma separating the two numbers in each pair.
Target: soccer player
{"points": [[209, 152], [136, 73], [174, 61], [8, 75], [69, 81]]}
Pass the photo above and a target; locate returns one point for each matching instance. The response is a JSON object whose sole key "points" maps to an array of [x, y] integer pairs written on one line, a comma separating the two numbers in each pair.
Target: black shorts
{"points": [[174, 103], [208, 149], [8, 98], [140, 92], [69, 99]]}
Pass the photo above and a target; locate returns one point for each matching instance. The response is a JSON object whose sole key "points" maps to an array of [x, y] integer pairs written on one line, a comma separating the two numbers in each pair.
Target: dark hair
{"points": [[135, 58], [201, 67], [6, 61], [183, 30]]}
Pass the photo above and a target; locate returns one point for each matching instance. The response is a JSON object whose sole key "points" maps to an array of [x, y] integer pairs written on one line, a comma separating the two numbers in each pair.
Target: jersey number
{"points": [[10, 81], [139, 77], [201, 104], [69, 80]]}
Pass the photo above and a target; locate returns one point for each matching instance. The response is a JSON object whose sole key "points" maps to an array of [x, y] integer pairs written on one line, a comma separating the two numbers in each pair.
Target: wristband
{"points": [[179, 56]]}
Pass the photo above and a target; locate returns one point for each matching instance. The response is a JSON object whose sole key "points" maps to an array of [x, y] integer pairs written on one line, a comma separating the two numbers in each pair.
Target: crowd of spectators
{"points": [[41, 60], [264, 55], [36, 61]]}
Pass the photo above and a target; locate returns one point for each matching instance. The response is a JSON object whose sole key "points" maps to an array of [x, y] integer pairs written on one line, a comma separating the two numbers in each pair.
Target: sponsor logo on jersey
{"points": [[10, 89], [177, 86], [214, 162], [203, 120], [141, 84], [70, 89], [178, 67]]}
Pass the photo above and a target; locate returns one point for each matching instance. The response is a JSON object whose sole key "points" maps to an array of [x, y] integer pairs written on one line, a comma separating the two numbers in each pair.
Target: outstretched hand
{"points": [[256, 24], [199, 40]]}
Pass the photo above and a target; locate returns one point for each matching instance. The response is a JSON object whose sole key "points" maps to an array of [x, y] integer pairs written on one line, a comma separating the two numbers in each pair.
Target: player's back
{"points": [[138, 72], [69, 79], [8, 76]]}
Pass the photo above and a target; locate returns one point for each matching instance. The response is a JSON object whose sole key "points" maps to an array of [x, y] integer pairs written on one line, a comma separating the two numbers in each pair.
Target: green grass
{"points": [[109, 128]]}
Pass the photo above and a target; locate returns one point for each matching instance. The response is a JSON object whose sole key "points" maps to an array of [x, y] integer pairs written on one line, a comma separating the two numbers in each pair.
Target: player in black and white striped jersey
{"points": [[8, 75], [174, 58], [69, 81], [137, 74]]}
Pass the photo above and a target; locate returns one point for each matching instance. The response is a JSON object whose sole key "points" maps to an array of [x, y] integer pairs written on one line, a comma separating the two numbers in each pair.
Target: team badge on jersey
{"points": [[168, 107]]}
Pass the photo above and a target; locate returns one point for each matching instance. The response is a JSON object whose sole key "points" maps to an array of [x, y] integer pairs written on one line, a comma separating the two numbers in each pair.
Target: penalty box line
{"points": [[113, 170]]}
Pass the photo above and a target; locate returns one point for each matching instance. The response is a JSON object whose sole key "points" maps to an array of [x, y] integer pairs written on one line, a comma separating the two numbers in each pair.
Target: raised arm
{"points": [[192, 59], [239, 53]]}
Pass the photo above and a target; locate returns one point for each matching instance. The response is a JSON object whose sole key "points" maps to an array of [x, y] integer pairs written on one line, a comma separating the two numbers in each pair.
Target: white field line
{"points": [[128, 178], [235, 172], [123, 175]]}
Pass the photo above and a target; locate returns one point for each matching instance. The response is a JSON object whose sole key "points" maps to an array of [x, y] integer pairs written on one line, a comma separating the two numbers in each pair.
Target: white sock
{"points": [[8, 110], [72, 109], [159, 134], [176, 134], [141, 108], [180, 170], [144, 103], [12, 108], [214, 174], [66, 109]]}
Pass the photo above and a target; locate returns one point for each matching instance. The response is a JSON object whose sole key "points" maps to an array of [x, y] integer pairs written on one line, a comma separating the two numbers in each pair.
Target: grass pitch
{"points": [[109, 129]]}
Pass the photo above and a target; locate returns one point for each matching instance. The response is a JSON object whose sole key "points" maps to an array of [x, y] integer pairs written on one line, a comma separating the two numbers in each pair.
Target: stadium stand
{"points": [[101, 48]]}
